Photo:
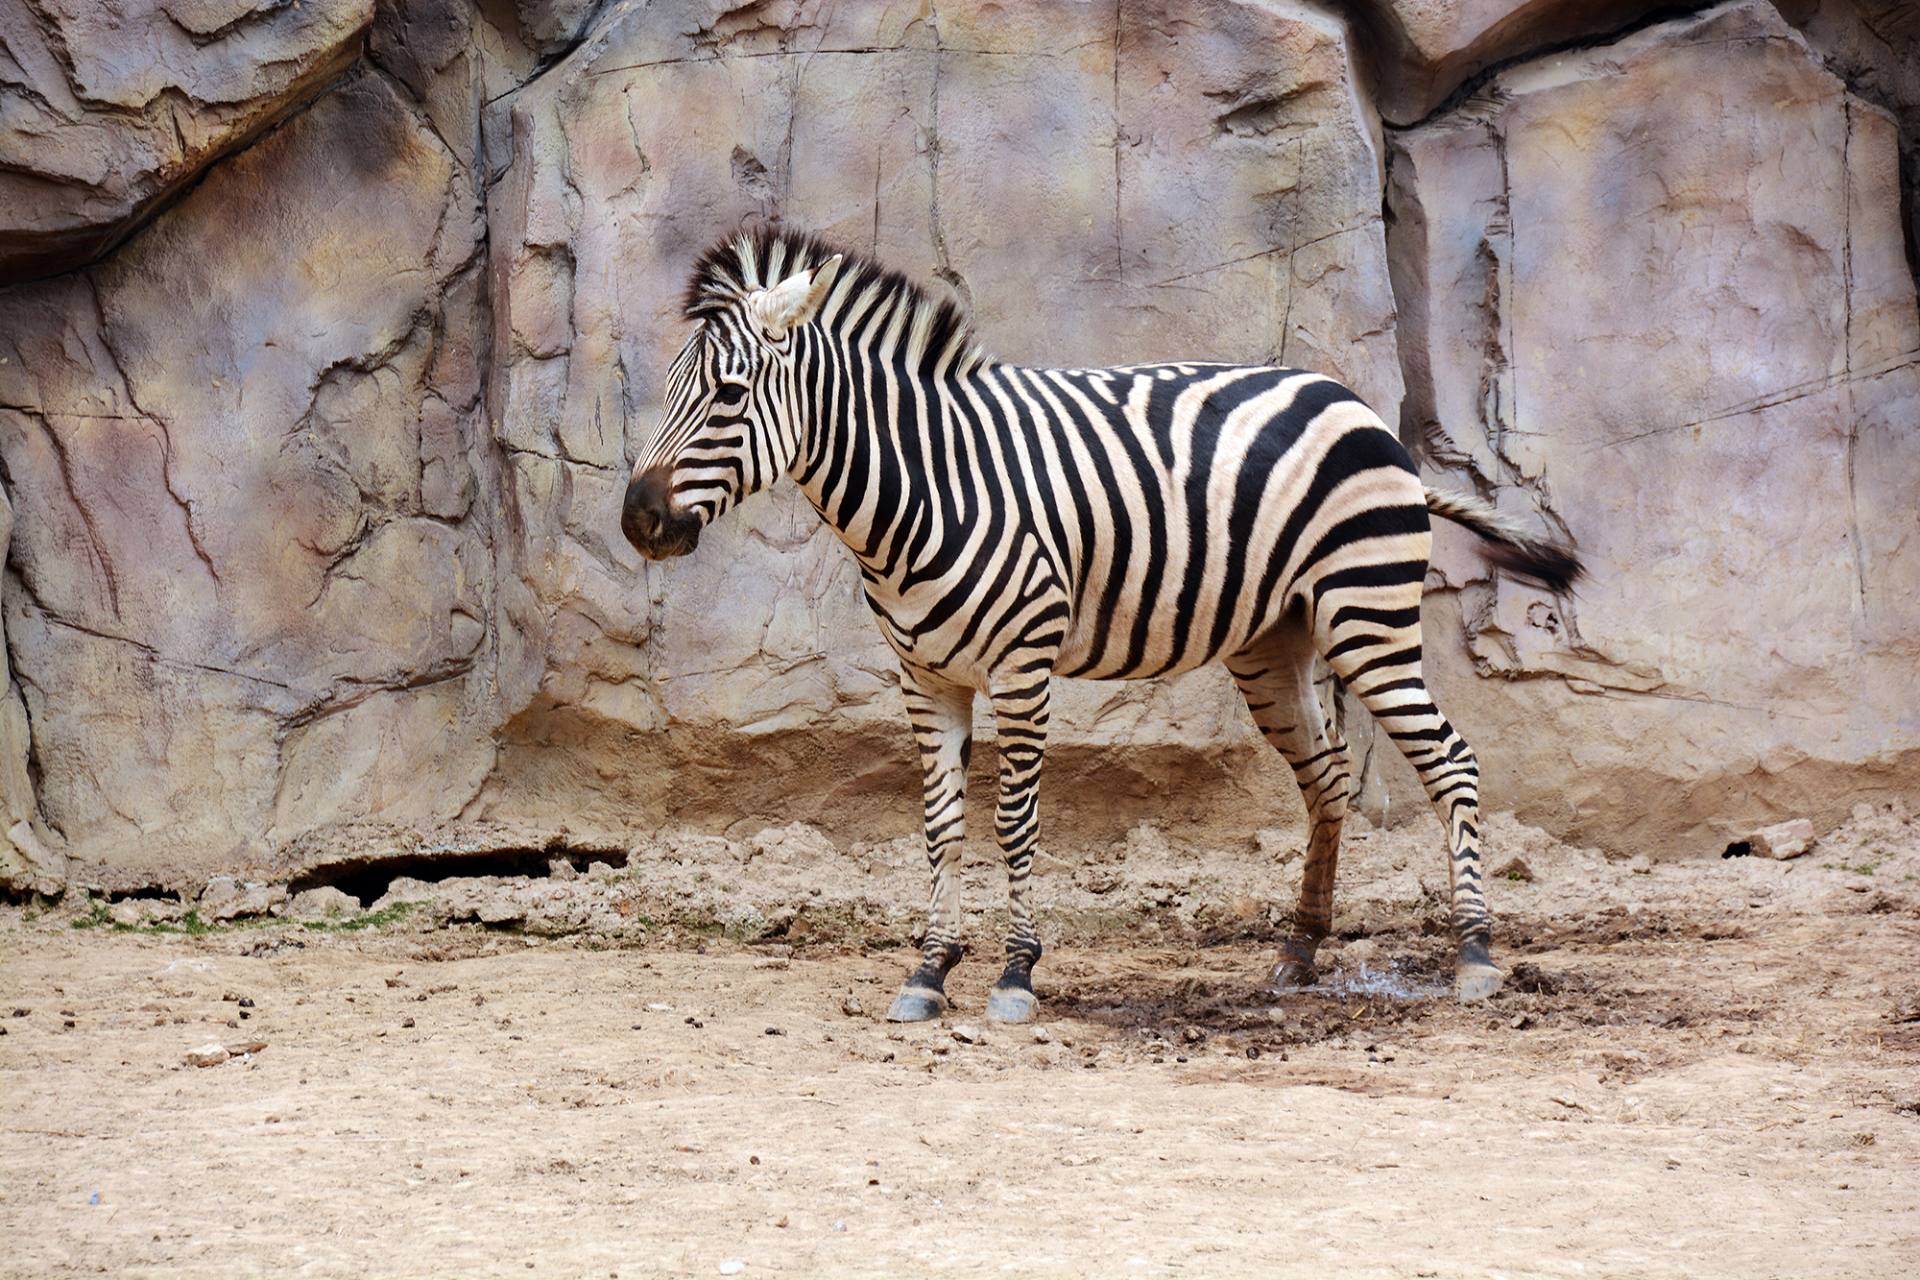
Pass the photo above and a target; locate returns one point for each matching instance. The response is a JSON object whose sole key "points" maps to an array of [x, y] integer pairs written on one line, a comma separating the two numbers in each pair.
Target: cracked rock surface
{"points": [[354, 314], [1660, 303], [110, 107]]}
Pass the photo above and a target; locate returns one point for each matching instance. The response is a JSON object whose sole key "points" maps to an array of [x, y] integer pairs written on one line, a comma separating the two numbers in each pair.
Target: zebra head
{"points": [[730, 424]]}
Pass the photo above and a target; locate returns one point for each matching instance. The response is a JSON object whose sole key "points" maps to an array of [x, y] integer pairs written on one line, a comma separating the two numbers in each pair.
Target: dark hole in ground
{"points": [[368, 878], [147, 893], [1738, 849]]}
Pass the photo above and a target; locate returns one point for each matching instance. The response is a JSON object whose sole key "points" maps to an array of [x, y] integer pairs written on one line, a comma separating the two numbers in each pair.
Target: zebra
{"points": [[1014, 524]]}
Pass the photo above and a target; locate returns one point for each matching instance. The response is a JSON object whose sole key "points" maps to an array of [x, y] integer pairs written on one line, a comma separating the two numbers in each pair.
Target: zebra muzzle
{"points": [[648, 518]]}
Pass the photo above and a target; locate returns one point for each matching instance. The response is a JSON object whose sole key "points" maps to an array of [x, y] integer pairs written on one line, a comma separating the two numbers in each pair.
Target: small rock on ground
{"points": [[967, 1033], [320, 903], [134, 912], [207, 1055], [226, 898], [1782, 840], [1514, 869]]}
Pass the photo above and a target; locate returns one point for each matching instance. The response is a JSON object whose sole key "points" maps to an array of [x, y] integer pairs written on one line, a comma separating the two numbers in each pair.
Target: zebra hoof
{"points": [[916, 1004], [1011, 1004], [1473, 982], [1293, 975]]}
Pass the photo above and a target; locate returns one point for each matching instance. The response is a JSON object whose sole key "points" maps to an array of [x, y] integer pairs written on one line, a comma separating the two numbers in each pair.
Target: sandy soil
{"points": [[1710, 1069]]}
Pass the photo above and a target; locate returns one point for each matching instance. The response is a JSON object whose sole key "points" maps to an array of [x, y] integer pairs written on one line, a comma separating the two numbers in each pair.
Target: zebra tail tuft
{"points": [[1546, 561]]}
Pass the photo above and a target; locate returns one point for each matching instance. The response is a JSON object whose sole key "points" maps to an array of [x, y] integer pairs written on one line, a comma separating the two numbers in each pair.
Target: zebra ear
{"points": [[795, 300]]}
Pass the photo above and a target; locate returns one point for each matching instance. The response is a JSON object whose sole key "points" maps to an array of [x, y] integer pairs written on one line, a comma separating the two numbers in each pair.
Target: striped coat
{"points": [[1014, 524]]}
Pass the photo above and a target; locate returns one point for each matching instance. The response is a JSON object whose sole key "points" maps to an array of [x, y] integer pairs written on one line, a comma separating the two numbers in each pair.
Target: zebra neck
{"points": [[874, 428]]}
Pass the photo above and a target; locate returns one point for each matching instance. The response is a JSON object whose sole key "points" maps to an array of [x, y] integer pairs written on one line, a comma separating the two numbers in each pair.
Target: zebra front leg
{"points": [[942, 719], [1021, 719]]}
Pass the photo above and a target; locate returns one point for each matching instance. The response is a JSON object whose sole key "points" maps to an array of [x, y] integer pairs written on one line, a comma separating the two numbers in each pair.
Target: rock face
{"points": [[314, 480], [245, 523], [1428, 48], [1202, 182], [1658, 300], [109, 107]]}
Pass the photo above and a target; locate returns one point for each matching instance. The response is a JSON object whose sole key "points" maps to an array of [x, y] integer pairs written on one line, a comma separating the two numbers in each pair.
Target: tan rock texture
{"points": [[1427, 49], [110, 107], [1655, 295], [314, 479], [1195, 177]]}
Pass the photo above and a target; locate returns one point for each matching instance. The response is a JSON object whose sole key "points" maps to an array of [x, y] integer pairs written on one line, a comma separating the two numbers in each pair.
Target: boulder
{"points": [[1655, 298], [112, 107], [1428, 49]]}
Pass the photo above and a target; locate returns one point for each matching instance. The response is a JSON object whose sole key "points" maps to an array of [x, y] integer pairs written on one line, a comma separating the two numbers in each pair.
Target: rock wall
{"points": [[1659, 299], [314, 477]]}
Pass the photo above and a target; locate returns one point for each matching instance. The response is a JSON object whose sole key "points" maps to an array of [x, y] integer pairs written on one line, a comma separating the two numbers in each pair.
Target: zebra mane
{"points": [[761, 257]]}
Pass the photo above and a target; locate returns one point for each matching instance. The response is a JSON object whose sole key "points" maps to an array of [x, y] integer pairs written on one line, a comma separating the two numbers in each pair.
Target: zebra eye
{"points": [[729, 395]]}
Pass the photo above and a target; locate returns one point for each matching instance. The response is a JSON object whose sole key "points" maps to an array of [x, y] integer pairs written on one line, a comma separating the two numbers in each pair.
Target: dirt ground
{"points": [[676, 1066]]}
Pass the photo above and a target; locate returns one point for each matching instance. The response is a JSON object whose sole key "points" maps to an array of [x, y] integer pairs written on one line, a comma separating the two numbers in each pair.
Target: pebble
{"points": [[1514, 869], [1193, 1035], [851, 1006], [732, 1267], [967, 1033], [1042, 1036]]}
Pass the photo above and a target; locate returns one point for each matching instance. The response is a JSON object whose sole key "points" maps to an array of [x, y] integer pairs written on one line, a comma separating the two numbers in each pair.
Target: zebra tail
{"points": [[1546, 561]]}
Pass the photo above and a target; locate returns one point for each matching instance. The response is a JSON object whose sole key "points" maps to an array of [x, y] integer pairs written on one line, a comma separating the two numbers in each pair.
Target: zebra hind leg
{"points": [[1276, 681], [1373, 645], [942, 719]]}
